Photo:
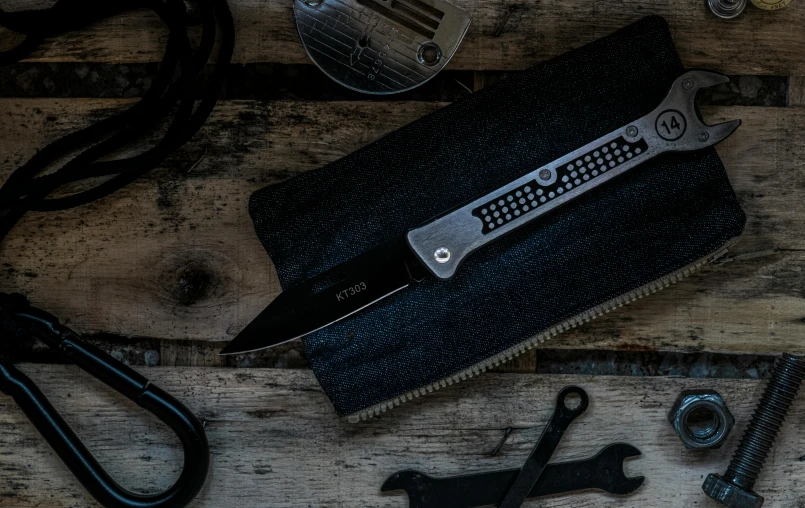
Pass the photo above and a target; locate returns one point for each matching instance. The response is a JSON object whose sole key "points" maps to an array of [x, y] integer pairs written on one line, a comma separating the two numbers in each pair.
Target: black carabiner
{"points": [[125, 380]]}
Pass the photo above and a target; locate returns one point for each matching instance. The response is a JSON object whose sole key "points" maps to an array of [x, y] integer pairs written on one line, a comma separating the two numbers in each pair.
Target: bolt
{"points": [[734, 489], [545, 174], [631, 131], [687, 83], [703, 136]]}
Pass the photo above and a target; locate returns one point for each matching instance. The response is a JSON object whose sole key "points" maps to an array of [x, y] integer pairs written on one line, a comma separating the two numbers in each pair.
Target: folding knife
{"points": [[438, 247]]}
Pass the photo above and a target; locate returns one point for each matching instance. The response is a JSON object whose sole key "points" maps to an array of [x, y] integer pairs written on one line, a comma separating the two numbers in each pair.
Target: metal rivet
{"points": [[687, 83], [442, 255], [545, 174], [631, 131], [703, 136]]}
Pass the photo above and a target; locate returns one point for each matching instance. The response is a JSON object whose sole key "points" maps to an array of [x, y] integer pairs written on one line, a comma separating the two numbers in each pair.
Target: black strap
{"points": [[174, 91]]}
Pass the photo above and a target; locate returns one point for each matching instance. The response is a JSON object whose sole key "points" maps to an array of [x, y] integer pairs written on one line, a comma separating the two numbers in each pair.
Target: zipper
{"points": [[572, 322]]}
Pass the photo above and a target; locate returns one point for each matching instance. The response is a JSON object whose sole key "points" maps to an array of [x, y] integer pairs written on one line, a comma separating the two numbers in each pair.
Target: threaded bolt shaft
{"points": [[756, 443]]}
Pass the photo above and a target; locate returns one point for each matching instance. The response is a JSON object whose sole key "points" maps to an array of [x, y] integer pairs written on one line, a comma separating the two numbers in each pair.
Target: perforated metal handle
{"points": [[673, 126]]}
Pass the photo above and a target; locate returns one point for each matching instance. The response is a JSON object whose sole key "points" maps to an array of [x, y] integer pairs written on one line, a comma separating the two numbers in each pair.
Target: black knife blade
{"points": [[331, 296]]}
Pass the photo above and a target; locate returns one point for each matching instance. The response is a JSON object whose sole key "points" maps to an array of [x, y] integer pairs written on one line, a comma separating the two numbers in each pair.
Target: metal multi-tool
{"points": [[380, 46], [437, 248]]}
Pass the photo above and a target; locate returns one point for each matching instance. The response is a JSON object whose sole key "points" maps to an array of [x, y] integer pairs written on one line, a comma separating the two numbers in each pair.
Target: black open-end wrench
{"points": [[603, 472]]}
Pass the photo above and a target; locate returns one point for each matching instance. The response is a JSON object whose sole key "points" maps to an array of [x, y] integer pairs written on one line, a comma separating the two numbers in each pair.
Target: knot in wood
{"points": [[193, 284]]}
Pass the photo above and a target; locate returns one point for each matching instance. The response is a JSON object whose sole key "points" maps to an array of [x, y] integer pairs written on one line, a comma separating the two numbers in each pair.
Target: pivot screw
{"points": [[631, 131], [545, 174], [703, 136], [687, 83], [734, 489], [442, 255]]}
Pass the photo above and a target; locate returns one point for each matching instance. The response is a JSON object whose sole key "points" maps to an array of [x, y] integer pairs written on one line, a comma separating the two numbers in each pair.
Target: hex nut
{"points": [[712, 436], [730, 495]]}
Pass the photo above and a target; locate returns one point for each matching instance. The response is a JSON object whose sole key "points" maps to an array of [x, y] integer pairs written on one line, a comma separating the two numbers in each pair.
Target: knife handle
{"points": [[674, 125], [444, 243]]}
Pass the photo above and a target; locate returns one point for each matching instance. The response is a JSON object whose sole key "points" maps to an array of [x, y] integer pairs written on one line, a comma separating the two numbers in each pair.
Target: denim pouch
{"points": [[628, 237]]}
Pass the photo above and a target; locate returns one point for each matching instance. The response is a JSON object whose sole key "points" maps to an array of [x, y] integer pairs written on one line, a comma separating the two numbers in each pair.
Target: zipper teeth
{"points": [[579, 319]]}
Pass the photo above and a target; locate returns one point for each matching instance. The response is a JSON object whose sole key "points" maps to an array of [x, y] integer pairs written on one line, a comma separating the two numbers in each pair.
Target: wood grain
{"points": [[504, 34], [276, 442], [796, 91], [189, 353], [174, 255]]}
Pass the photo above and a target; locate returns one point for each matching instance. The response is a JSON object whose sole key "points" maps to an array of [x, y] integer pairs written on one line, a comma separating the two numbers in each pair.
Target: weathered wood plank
{"points": [[175, 256], [189, 354], [796, 91], [276, 441], [504, 34]]}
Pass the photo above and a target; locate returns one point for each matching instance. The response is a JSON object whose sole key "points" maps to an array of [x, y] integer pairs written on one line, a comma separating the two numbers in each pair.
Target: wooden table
{"points": [[163, 272]]}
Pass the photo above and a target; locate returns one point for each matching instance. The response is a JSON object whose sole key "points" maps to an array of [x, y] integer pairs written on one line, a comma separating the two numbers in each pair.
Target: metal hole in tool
{"points": [[442, 255], [572, 401], [727, 9], [363, 41], [429, 54]]}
